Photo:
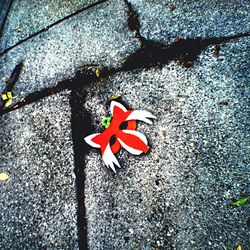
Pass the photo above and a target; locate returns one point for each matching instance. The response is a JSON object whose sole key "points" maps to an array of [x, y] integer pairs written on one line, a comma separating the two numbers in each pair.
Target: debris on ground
{"points": [[6, 94], [241, 201], [4, 177]]}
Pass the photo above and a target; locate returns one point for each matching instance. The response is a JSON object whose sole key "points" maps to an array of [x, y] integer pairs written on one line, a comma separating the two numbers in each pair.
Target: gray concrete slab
{"points": [[190, 19], [4, 10], [178, 195], [175, 197], [38, 202], [97, 36], [28, 17]]}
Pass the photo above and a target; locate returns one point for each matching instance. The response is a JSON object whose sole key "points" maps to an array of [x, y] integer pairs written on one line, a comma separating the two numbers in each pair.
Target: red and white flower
{"points": [[128, 138]]}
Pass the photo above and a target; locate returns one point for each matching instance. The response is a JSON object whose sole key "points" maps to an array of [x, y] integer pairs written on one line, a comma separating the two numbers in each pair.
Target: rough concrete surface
{"points": [[38, 202], [165, 20], [96, 36], [178, 195], [30, 16], [4, 7]]}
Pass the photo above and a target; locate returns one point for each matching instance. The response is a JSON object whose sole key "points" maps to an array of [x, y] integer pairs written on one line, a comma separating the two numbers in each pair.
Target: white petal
{"points": [[109, 158], [130, 149], [113, 104], [141, 115], [89, 138]]}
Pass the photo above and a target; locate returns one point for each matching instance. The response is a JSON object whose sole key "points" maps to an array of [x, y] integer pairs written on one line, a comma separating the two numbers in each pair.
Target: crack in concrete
{"points": [[150, 54], [10, 83], [80, 127], [184, 51], [51, 25], [133, 20], [7, 11], [82, 77]]}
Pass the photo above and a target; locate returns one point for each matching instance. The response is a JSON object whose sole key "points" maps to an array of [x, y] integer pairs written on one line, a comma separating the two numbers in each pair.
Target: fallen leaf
{"points": [[165, 133], [98, 73], [241, 201], [4, 97], [188, 64], [114, 97], [223, 103], [173, 7], [9, 95], [4, 177], [8, 103], [18, 29], [239, 247]]}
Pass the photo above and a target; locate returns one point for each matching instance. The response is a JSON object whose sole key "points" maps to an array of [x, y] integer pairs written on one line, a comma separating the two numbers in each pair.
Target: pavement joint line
{"points": [[151, 54], [5, 17], [82, 77], [5, 51], [133, 21], [80, 127], [81, 119]]}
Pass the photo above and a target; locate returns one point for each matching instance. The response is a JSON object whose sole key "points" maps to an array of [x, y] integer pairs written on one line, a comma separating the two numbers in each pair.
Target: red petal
{"points": [[115, 147], [131, 125], [133, 142]]}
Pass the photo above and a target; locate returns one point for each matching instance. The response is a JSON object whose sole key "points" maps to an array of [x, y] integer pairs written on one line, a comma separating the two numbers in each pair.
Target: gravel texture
{"points": [[178, 195], [99, 36], [165, 20], [30, 16], [4, 7], [38, 202]]}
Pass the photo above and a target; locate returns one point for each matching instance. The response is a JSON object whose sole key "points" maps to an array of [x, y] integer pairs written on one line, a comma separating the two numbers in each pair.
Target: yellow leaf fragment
{"points": [[98, 73], [114, 97], [9, 94], [8, 103], [239, 247], [4, 177], [8, 98], [4, 97]]}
